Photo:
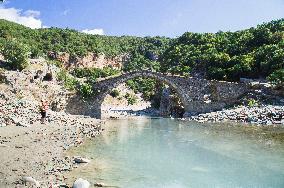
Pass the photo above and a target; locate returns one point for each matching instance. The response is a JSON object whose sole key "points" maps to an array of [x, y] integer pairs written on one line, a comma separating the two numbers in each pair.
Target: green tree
{"points": [[15, 53]]}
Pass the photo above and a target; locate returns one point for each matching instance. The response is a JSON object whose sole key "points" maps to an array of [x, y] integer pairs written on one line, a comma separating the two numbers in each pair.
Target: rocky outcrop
{"points": [[91, 60], [21, 94]]}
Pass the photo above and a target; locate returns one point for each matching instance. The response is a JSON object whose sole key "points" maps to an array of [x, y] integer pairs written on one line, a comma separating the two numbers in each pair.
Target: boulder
{"points": [[81, 183], [79, 159], [31, 180]]}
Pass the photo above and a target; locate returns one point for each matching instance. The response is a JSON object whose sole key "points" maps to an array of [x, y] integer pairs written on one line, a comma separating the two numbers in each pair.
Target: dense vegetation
{"points": [[252, 53], [42, 41], [71, 81], [92, 74], [15, 53]]}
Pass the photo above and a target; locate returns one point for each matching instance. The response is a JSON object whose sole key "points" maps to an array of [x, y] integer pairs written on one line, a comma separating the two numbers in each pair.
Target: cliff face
{"points": [[91, 60]]}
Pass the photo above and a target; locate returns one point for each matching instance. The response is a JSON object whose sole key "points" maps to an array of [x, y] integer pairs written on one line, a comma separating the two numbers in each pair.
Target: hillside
{"points": [[252, 53], [255, 52]]}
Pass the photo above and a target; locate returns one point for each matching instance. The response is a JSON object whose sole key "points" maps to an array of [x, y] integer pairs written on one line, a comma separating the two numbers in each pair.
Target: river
{"points": [[177, 154]]}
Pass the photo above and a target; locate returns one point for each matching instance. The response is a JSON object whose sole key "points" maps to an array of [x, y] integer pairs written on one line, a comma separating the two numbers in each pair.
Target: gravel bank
{"points": [[259, 115], [39, 151]]}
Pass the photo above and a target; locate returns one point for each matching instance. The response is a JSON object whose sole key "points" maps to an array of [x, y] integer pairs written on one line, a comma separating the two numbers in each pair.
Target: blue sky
{"points": [[143, 17]]}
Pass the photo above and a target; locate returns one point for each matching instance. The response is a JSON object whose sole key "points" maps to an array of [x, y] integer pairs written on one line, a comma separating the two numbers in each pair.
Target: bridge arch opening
{"points": [[169, 99]]}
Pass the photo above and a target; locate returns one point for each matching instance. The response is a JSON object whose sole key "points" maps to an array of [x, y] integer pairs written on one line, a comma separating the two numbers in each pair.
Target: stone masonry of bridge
{"points": [[197, 95]]}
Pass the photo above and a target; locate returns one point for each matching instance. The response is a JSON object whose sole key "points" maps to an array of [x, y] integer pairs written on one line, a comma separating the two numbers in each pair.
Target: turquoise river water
{"points": [[176, 154]]}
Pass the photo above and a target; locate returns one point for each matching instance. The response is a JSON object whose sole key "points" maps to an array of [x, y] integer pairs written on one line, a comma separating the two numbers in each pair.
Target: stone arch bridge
{"points": [[197, 95]]}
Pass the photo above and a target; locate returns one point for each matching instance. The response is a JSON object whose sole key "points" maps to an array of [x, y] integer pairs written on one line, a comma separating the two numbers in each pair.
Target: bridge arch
{"points": [[106, 86]]}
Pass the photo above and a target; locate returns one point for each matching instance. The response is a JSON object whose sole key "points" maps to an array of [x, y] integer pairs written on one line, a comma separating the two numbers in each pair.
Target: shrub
{"points": [[131, 99], [146, 86], [55, 62], [277, 77], [69, 82], [252, 102], [94, 72], [85, 90], [114, 93], [16, 54]]}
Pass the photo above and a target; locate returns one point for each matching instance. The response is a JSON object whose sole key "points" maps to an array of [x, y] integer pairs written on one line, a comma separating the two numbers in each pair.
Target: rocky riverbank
{"points": [[34, 154], [259, 115], [31, 149], [125, 112]]}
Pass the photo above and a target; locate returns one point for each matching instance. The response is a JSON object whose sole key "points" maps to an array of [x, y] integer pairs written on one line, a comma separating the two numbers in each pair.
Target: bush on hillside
{"points": [[15, 53], [68, 81], [277, 77], [85, 90], [131, 98], [94, 72], [114, 93]]}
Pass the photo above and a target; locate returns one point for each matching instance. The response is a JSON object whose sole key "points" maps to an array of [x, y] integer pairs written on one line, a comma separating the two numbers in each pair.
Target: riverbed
{"points": [[163, 152]]}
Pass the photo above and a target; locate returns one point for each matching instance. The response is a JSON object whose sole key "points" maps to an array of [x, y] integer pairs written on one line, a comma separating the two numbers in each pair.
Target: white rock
{"points": [[31, 180], [81, 183]]}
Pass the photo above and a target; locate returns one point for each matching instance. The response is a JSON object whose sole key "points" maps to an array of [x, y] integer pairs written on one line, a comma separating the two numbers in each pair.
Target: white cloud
{"points": [[27, 18], [94, 31], [32, 13]]}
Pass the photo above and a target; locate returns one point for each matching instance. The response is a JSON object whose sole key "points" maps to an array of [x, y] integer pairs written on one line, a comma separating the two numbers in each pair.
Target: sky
{"points": [[169, 18]]}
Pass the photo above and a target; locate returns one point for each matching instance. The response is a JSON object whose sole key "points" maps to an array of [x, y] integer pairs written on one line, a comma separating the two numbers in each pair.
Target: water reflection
{"points": [[123, 131]]}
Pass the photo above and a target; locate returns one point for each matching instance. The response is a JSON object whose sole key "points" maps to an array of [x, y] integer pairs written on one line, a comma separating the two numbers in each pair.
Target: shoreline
{"points": [[255, 115], [49, 162]]}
